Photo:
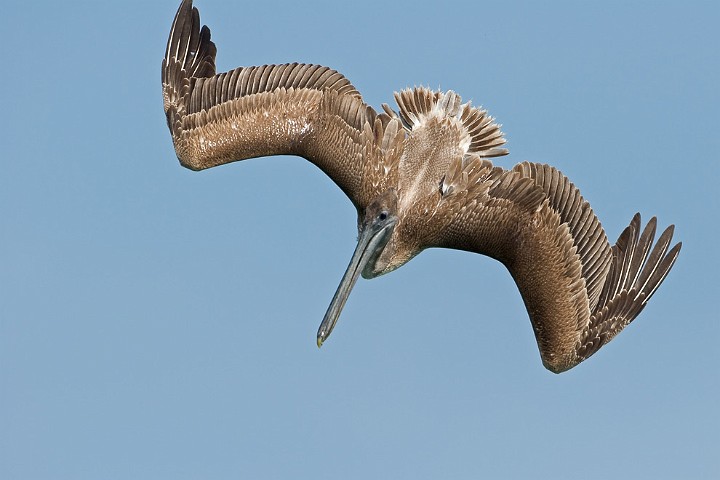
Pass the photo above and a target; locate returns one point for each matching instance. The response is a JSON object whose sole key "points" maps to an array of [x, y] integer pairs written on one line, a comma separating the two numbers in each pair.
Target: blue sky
{"points": [[160, 323]]}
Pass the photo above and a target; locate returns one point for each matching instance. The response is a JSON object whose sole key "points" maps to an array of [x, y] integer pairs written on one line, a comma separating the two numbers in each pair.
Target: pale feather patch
{"points": [[480, 134]]}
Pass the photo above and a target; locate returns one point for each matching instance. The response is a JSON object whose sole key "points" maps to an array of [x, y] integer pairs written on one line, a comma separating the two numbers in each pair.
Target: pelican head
{"points": [[376, 226]]}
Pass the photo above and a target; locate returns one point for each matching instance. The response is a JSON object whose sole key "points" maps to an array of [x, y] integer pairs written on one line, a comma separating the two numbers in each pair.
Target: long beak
{"points": [[370, 245]]}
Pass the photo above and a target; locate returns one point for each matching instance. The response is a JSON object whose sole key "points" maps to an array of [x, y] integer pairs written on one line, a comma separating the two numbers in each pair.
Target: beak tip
{"points": [[320, 340]]}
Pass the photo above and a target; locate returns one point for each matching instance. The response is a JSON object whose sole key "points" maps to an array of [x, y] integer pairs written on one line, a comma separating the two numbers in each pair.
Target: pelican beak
{"points": [[370, 245]]}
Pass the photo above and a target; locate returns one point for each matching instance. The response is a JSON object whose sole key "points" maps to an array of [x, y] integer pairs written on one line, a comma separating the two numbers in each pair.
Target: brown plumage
{"points": [[420, 178]]}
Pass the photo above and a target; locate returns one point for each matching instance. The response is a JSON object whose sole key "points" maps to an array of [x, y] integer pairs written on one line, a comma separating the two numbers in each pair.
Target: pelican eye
{"points": [[383, 216]]}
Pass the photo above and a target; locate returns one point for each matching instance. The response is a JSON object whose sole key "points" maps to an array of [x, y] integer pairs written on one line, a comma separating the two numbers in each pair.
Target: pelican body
{"points": [[420, 177]]}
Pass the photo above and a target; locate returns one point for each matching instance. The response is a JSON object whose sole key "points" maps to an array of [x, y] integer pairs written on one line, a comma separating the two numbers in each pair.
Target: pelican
{"points": [[420, 177]]}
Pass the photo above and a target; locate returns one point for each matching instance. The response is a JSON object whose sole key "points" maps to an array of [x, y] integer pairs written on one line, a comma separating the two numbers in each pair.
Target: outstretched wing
{"points": [[298, 109], [578, 290]]}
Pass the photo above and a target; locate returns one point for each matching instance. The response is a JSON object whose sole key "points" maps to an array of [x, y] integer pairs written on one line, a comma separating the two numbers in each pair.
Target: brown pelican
{"points": [[419, 178]]}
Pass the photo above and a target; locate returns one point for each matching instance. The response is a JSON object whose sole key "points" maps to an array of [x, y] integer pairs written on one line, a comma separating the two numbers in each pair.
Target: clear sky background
{"points": [[160, 323]]}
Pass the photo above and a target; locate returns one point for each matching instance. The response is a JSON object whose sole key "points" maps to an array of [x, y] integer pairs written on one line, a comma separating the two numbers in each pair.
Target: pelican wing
{"points": [[298, 109], [579, 291]]}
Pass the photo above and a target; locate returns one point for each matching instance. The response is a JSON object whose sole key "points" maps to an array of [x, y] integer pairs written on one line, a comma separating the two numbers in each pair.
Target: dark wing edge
{"points": [[295, 109], [189, 54], [636, 273]]}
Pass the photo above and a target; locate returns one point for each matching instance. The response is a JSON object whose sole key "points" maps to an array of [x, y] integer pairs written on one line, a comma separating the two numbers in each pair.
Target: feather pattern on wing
{"points": [[299, 109], [634, 276]]}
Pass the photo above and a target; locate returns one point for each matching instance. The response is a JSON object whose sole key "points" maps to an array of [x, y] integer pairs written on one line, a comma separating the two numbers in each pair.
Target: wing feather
{"points": [[628, 291], [587, 233]]}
